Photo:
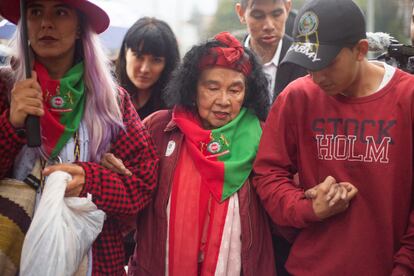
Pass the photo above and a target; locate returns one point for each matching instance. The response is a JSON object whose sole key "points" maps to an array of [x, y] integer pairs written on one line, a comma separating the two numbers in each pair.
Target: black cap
{"points": [[322, 28]]}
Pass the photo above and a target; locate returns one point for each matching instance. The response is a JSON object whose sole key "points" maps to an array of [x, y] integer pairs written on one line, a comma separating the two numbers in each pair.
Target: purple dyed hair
{"points": [[102, 115]]}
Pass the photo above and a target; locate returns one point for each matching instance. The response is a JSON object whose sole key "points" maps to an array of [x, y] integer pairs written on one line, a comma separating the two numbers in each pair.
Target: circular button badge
{"points": [[170, 148]]}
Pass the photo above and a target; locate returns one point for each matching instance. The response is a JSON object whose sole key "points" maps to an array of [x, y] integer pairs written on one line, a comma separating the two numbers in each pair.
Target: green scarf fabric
{"points": [[64, 102], [223, 156]]}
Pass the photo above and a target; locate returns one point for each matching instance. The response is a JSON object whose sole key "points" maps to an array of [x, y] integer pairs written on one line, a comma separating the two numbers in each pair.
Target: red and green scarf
{"points": [[223, 156], [64, 102]]}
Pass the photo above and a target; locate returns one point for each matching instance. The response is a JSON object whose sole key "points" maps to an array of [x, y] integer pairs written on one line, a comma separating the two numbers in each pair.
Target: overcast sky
{"points": [[126, 12]]}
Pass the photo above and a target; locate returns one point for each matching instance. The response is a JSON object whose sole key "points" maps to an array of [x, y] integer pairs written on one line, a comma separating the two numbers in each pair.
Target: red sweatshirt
{"points": [[366, 141]]}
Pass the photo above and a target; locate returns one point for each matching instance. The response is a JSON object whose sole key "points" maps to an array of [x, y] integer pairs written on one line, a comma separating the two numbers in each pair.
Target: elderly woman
{"points": [[206, 218], [82, 115]]}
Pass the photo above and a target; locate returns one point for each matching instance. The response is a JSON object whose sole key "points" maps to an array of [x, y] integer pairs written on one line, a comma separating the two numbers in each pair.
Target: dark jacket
{"points": [[285, 73], [288, 72], [151, 235]]}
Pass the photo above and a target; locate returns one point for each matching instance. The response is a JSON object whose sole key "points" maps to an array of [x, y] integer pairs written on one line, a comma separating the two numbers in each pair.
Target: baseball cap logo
{"points": [[309, 50], [308, 35], [308, 24]]}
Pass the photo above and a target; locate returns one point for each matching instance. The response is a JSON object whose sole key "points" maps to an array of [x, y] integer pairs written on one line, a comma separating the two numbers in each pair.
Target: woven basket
{"points": [[17, 200]]}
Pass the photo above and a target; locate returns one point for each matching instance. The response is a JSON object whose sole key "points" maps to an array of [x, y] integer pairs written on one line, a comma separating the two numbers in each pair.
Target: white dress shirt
{"points": [[270, 68]]}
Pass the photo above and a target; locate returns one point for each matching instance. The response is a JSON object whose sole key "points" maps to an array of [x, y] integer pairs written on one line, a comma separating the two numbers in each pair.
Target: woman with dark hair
{"points": [[83, 114], [206, 218], [148, 55]]}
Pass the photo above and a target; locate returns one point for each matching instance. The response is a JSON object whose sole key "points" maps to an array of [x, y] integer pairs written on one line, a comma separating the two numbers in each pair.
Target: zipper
{"points": [[177, 149]]}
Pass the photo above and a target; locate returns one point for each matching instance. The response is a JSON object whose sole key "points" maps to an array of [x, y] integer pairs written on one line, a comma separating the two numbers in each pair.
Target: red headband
{"points": [[232, 56]]}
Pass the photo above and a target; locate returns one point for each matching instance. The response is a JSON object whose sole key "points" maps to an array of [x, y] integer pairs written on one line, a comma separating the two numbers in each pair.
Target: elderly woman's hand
{"points": [[26, 99], [75, 186], [109, 161]]}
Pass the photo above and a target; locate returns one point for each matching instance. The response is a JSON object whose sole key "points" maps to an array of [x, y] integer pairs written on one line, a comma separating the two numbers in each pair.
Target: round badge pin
{"points": [[170, 148], [57, 102], [308, 23], [214, 147]]}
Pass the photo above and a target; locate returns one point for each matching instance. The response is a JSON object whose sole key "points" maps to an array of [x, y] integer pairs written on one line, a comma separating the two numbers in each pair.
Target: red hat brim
{"points": [[97, 17]]}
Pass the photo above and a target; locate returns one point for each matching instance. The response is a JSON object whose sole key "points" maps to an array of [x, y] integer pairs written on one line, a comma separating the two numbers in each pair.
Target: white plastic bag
{"points": [[61, 232]]}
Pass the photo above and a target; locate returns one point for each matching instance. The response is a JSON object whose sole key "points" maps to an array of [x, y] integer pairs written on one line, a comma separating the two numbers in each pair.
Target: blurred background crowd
{"points": [[195, 20]]}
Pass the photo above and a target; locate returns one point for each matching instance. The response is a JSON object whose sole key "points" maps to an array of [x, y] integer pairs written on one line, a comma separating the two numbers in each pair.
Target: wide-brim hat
{"points": [[322, 29], [97, 17]]}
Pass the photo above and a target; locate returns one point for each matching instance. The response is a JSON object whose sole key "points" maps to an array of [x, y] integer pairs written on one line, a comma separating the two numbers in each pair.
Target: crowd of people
{"points": [[274, 155]]}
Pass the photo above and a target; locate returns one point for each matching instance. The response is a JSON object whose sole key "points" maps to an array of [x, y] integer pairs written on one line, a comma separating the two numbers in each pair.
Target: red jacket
{"points": [[120, 197], [150, 251]]}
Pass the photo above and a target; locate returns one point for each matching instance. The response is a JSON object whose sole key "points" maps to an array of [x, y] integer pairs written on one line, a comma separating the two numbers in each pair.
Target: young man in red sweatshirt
{"points": [[349, 123]]}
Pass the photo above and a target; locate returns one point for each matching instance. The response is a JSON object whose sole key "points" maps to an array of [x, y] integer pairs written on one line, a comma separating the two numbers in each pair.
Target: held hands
{"points": [[74, 186], [109, 161], [26, 99], [330, 198]]}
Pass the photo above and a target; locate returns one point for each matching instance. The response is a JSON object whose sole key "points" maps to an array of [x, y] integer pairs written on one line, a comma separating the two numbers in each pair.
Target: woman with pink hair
{"points": [[83, 114]]}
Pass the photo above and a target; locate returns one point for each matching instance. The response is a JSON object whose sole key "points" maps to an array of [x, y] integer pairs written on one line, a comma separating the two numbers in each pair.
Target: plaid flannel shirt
{"points": [[120, 197]]}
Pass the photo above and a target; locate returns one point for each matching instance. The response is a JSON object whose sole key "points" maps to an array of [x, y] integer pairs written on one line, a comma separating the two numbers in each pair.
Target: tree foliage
{"points": [[225, 18], [391, 16]]}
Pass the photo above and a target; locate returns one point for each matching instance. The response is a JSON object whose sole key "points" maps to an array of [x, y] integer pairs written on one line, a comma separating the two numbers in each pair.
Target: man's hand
{"points": [[75, 186], [330, 198], [109, 161], [335, 193]]}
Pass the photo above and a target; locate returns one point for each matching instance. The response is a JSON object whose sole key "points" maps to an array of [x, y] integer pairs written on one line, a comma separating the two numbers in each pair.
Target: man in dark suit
{"points": [[266, 22]]}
